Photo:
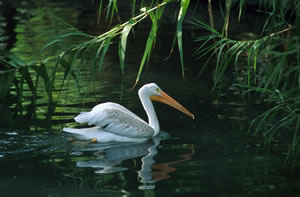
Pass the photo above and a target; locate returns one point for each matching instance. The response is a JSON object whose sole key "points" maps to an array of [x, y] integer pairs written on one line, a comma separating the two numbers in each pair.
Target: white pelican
{"points": [[114, 122]]}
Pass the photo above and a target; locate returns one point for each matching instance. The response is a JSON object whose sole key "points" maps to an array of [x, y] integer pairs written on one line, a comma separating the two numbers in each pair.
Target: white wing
{"points": [[116, 119]]}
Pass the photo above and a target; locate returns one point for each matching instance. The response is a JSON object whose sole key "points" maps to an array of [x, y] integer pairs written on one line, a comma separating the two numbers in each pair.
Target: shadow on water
{"points": [[210, 156]]}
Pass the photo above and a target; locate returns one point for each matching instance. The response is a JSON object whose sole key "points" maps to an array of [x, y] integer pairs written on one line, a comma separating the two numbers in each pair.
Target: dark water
{"points": [[212, 155]]}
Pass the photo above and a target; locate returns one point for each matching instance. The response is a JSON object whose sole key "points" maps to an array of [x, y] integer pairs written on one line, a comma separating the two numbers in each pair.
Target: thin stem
{"points": [[228, 6], [137, 19], [211, 17], [211, 21], [282, 31]]}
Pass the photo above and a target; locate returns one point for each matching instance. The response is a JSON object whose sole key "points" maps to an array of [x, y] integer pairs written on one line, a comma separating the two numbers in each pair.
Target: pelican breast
{"points": [[116, 119]]}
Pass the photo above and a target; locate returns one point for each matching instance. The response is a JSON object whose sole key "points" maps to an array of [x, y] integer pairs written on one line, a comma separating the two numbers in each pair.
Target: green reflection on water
{"points": [[35, 28]]}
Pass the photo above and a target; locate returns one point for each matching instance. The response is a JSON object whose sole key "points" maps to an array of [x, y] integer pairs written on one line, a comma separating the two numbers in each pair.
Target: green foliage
{"points": [[10, 63], [112, 8], [17, 72], [98, 45], [150, 41], [284, 115], [73, 55], [272, 67]]}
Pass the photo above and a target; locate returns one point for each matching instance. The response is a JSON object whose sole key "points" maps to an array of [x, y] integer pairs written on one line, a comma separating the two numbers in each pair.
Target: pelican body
{"points": [[113, 122]]}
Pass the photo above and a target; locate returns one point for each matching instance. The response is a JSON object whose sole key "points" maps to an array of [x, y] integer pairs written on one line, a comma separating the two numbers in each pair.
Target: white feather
{"points": [[82, 117], [116, 119], [99, 134]]}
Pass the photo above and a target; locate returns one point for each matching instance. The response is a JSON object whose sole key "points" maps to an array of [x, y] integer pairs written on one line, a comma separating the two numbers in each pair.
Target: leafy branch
{"points": [[270, 67], [228, 50], [101, 43]]}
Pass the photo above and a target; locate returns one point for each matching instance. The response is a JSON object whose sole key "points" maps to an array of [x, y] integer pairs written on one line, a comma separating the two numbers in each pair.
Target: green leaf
{"points": [[25, 73], [13, 60], [110, 2], [52, 43], [122, 45], [106, 46], [147, 53], [242, 4], [150, 41], [68, 70], [201, 24], [77, 33], [133, 2], [41, 70], [112, 5], [183, 8], [68, 66]]}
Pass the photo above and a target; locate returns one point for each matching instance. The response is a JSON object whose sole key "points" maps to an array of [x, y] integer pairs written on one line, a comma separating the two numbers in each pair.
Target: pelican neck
{"points": [[149, 108]]}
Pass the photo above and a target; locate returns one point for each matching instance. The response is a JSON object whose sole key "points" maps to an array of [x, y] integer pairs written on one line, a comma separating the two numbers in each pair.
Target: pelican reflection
{"points": [[109, 158]]}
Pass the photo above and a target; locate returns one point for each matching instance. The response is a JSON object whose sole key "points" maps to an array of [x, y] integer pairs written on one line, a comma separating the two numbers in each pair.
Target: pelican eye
{"points": [[157, 90]]}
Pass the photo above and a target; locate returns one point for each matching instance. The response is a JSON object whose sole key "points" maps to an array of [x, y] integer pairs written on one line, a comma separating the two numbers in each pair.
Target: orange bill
{"points": [[164, 98]]}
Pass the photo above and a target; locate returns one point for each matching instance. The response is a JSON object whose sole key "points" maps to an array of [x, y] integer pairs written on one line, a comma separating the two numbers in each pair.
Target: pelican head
{"points": [[154, 93]]}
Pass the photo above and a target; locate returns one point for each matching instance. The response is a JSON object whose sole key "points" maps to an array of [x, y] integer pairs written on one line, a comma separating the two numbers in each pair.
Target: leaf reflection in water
{"points": [[111, 155]]}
